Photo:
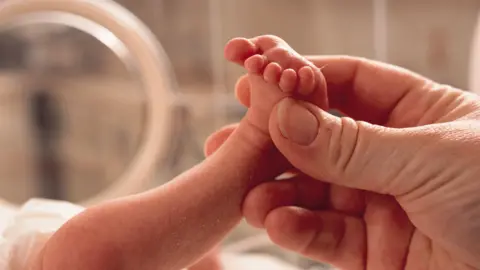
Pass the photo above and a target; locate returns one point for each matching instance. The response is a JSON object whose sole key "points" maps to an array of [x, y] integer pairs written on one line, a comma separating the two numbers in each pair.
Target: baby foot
{"points": [[275, 71]]}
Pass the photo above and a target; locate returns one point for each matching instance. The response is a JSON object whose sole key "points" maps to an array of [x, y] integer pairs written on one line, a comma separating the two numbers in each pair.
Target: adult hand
{"points": [[397, 182]]}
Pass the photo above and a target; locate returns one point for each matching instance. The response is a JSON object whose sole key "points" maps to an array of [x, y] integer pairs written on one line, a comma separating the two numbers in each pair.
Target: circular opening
{"points": [[92, 126], [71, 113]]}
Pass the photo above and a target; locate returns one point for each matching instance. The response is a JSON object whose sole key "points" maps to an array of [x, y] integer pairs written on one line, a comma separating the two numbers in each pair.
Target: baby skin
{"points": [[275, 72], [173, 226]]}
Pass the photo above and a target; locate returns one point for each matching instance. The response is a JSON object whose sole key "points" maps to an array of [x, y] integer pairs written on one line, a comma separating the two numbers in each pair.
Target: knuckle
{"points": [[327, 241], [343, 144]]}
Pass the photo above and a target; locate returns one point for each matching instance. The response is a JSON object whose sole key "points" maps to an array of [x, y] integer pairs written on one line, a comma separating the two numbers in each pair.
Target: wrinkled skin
{"points": [[395, 185]]}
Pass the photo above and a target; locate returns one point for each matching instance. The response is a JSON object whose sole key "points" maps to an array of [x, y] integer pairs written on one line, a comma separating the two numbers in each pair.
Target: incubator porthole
{"points": [[78, 114]]}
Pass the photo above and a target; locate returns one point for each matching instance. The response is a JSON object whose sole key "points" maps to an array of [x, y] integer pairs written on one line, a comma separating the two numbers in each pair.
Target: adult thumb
{"points": [[346, 152]]}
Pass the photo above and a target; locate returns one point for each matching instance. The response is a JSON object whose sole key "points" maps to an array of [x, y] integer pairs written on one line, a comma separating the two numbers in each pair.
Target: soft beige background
{"points": [[102, 105]]}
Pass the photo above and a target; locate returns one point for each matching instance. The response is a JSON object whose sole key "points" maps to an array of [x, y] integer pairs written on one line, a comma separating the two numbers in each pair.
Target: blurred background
{"points": [[72, 114]]}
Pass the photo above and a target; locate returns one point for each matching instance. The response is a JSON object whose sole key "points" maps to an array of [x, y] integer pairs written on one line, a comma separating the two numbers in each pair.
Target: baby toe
{"points": [[255, 64], [306, 78], [288, 80], [272, 73]]}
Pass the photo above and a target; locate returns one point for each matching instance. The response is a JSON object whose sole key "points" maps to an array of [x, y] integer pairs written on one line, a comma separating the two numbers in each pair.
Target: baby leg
{"points": [[172, 226], [209, 262], [275, 71]]}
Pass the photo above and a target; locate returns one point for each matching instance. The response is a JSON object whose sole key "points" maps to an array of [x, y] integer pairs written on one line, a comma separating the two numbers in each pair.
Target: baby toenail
{"points": [[296, 122]]}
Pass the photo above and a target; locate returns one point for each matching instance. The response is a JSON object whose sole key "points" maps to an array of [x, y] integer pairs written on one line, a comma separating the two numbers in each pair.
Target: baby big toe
{"points": [[288, 80], [238, 50]]}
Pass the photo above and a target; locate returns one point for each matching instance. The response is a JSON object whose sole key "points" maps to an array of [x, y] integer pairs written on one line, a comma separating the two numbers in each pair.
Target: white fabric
{"points": [[25, 231]]}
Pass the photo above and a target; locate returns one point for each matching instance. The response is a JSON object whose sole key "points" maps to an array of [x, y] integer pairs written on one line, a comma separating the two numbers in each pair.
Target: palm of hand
{"points": [[413, 220], [413, 227], [444, 237], [419, 228], [381, 236]]}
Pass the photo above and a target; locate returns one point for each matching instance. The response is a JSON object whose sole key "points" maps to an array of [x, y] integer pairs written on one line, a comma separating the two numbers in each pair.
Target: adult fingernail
{"points": [[296, 122]]}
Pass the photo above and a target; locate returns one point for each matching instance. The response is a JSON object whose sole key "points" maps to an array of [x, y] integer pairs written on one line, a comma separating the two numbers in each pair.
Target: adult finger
{"points": [[303, 191], [348, 153], [341, 239], [389, 232], [299, 190], [216, 140], [382, 94], [329, 237]]}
